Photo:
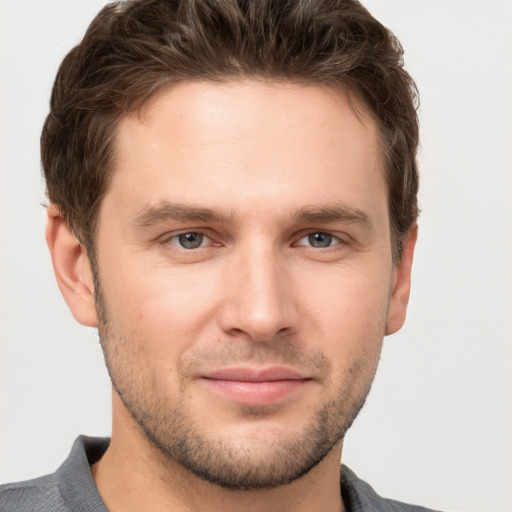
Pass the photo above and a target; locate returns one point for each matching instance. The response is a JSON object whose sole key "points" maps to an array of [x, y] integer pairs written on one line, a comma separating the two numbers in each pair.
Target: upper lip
{"points": [[247, 374]]}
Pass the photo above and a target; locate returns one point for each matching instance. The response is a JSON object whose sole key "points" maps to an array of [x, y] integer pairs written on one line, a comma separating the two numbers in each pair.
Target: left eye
{"points": [[191, 240], [319, 240]]}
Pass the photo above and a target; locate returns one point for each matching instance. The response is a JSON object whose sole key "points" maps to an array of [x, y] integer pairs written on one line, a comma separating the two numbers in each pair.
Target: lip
{"points": [[256, 386]]}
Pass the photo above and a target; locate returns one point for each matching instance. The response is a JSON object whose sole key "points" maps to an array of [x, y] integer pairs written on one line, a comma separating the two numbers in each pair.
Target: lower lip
{"points": [[256, 393]]}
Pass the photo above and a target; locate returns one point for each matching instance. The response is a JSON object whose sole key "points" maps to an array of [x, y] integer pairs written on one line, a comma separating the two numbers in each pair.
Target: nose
{"points": [[260, 300]]}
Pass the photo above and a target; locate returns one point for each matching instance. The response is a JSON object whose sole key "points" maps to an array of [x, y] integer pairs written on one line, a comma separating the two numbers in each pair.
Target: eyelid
{"points": [[339, 238], [172, 237]]}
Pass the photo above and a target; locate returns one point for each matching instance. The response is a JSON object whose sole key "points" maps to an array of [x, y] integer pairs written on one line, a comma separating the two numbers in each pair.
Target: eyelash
{"points": [[331, 237], [332, 240], [174, 240]]}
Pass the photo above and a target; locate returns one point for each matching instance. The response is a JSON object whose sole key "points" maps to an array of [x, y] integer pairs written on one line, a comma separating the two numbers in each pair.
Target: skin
{"points": [[268, 165]]}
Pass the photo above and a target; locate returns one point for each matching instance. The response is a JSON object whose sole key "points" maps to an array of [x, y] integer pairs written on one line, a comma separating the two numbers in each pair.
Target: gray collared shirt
{"points": [[72, 488]]}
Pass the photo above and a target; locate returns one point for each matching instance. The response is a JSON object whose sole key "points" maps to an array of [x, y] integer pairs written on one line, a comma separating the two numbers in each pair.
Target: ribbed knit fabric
{"points": [[358, 496], [72, 489]]}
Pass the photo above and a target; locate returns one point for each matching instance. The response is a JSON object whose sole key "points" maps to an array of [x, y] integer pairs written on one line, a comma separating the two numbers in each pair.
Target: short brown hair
{"points": [[134, 48]]}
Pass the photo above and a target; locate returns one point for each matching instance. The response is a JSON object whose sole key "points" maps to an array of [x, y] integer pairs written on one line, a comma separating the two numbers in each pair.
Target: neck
{"points": [[133, 475]]}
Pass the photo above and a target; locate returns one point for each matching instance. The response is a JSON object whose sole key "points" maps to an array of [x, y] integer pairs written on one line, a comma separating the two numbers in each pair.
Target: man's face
{"points": [[244, 258]]}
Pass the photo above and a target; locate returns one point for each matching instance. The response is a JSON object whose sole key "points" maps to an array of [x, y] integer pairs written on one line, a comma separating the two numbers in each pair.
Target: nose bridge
{"points": [[261, 302]]}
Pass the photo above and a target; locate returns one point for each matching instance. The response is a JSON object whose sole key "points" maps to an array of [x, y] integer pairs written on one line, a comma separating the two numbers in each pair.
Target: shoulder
{"points": [[41, 495], [70, 488], [363, 497]]}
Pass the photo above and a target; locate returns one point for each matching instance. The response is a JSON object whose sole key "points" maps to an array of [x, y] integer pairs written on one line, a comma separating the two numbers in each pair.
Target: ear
{"points": [[72, 268], [401, 285]]}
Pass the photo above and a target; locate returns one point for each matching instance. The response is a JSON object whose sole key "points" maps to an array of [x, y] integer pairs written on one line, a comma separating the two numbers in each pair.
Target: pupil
{"points": [[320, 239], [191, 240]]}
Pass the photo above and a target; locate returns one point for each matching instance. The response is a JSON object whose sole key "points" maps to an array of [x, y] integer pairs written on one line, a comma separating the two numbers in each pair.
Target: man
{"points": [[232, 192]]}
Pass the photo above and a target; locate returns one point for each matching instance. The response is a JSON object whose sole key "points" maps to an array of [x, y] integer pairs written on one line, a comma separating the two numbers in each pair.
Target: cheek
{"points": [[347, 310], [352, 295], [164, 308]]}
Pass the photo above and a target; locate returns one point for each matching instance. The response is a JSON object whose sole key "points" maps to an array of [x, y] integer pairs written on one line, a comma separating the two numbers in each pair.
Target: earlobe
{"points": [[72, 268], [401, 285]]}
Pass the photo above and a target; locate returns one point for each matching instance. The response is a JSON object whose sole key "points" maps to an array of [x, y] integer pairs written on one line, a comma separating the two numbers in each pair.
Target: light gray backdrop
{"points": [[437, 427]]}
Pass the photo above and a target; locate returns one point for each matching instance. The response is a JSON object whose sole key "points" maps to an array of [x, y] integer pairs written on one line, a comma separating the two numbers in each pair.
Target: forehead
{"points": [[238, 143]]}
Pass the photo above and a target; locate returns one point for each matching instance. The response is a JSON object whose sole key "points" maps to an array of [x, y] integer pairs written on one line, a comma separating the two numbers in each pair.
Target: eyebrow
{"points": [[331, 213], [166, 211]]}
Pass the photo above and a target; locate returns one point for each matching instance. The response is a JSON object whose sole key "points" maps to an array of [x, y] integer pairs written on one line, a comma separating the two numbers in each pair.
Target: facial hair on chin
{"points": [[181, 438]]}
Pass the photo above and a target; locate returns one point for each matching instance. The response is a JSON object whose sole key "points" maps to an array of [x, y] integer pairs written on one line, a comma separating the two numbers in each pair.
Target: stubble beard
{"points": [[230, 463]]}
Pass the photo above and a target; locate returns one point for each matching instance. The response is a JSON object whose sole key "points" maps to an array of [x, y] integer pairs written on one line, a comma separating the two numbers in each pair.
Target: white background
{"points": [[437, 428]]}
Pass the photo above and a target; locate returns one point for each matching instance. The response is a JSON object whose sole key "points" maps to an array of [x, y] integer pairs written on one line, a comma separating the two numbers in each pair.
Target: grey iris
{"points": [[320, 239], [191, 240]]}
